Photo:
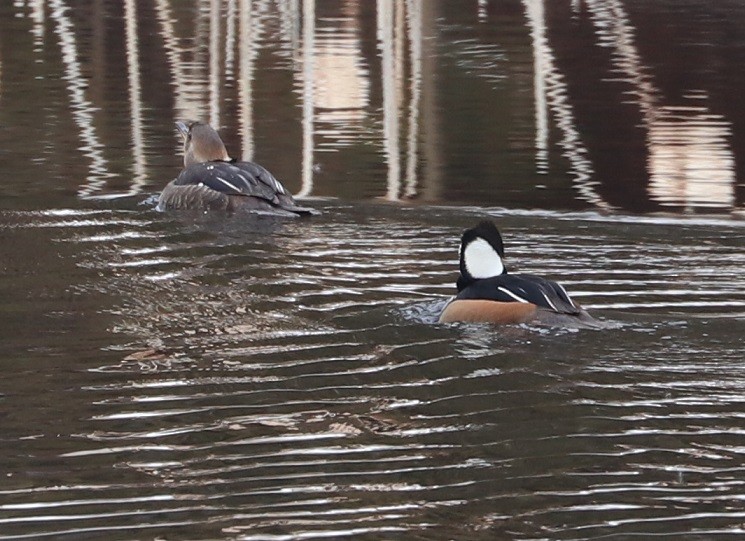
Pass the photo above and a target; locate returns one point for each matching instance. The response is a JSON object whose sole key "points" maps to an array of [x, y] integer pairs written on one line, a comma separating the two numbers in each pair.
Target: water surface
{"points": [[192, 376]]}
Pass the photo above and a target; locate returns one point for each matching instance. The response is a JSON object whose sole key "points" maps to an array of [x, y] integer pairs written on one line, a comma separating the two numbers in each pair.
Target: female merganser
{"points": [[212, 180], [487, 293]]}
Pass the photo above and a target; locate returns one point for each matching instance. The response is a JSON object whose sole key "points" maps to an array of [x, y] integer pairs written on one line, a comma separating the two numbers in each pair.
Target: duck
{"points": [[487, 293], [212, 180]]}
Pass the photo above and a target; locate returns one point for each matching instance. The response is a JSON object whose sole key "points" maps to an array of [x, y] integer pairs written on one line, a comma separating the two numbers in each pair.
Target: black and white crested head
{"points": [[481, 252], [201, 143]]}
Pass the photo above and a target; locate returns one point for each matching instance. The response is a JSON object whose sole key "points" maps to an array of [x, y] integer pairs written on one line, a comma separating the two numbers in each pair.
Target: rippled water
{"points": [[209, 376]]}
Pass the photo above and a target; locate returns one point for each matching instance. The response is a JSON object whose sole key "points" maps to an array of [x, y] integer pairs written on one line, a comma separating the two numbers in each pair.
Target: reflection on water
{"points": [[376, 91], [82, 109], [342, 89], [551, 92], [690, 162], [209, 376]]}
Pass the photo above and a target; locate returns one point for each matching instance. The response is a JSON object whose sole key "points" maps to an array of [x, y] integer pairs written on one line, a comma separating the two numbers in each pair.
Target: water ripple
{"points": [[294, 383]]}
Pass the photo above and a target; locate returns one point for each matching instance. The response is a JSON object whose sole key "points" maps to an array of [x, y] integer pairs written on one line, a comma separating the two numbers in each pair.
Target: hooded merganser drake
{"points": [[212, 180], [487, 293]]}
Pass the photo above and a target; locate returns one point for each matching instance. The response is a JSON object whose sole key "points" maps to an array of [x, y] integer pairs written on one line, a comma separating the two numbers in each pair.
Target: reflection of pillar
{"points": [[214, 66], [483, 14], [230, 38], [245, 83], [289, 28], [399, 39], [415, 54], [554, 93], [614, 30], [82, 109], [37, 15], [430, 128], [309, 31], [135, 94], [98, 58], [197, 69], [386, 36], [689, 159], [185, 108], [537, 33]]}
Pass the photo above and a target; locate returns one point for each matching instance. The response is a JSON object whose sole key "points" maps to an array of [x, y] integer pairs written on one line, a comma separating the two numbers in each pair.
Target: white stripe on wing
{"points": [[506, 291], [564, 291], [549, 301], [245, 178], [228, 184]]}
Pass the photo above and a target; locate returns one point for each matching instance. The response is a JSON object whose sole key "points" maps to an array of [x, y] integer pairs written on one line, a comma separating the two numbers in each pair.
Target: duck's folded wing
{"points": [[260, 174], [540, 292], [523, 288], [240, 178]]}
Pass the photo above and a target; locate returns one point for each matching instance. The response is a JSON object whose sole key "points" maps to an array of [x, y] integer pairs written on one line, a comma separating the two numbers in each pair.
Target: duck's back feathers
{"points": [[233, 178], [517, 298], [192, 196], [228, 185], [522, 288]]}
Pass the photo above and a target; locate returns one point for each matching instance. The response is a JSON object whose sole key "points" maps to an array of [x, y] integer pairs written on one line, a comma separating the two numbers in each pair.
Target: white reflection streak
{"points": [[289, 28], [342, 81], [555, 96], [482, 12], [399, 38], [690, 160], [230, 38], [214, 66], [251, 22], [385, 36], [539, 91], [246, 54], [37, 15], [135, 95], [614, 31], [309, 30], [173, 54], [82, 109], [414, 8]]}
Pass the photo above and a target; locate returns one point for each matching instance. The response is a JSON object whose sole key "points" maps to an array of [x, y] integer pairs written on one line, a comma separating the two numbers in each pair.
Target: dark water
{"points": [[187, 376]]}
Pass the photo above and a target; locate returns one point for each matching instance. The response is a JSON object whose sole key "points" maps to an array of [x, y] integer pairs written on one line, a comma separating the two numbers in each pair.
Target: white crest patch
{"points": [[482, 260]]}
